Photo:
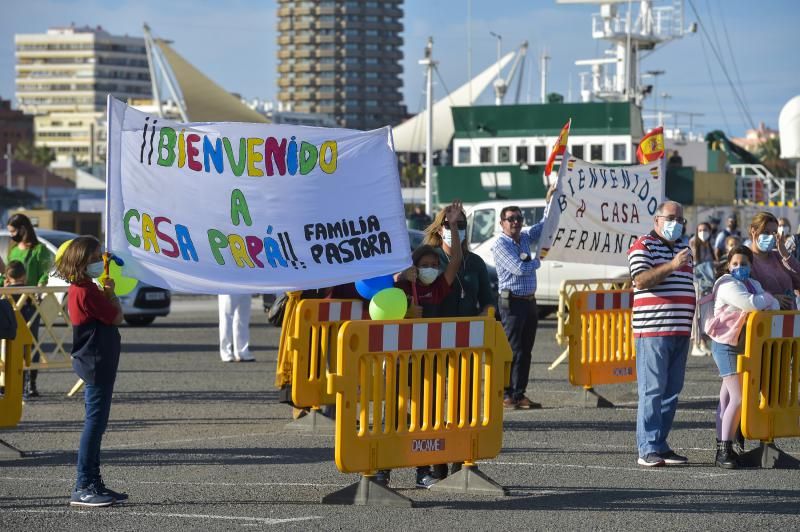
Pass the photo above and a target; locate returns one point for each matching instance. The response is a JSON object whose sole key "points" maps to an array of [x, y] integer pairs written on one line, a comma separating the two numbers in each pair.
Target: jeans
{"points": [[660, 369], [97, 398], [520, 321]]}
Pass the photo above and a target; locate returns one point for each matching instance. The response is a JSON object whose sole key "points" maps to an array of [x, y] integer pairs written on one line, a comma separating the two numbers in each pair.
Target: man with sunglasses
{"points": [[663, 309], [516, 276]]}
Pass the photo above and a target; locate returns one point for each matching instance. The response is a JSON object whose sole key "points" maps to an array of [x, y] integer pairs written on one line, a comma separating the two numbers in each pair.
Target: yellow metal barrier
{"points": [[418, 392], [50, 304], [14, 354], [283, 373], [313, 346], [569, 287], [601, 347], [771, 385]]}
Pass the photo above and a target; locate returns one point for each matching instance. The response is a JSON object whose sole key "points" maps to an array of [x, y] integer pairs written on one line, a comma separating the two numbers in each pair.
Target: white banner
{"points": [[246, 208], [598, 211]]}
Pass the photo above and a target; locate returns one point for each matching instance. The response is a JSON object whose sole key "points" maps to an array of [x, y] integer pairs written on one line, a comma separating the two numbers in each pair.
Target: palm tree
{"points": [[770, 153], [41, 156]]}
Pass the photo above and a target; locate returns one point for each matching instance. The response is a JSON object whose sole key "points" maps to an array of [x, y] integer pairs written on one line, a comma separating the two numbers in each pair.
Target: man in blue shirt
{"points": [[516, 275]]}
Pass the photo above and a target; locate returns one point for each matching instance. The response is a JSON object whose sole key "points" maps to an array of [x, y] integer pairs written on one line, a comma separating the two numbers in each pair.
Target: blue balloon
{"points": [[369, 287]]}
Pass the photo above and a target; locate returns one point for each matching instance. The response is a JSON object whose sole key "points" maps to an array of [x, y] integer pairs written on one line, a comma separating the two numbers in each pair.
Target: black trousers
{"points": [[520, 320]]}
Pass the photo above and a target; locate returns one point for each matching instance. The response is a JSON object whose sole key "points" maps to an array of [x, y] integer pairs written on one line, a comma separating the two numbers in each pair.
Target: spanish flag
{"points": [[558, 148], [651, 147]]}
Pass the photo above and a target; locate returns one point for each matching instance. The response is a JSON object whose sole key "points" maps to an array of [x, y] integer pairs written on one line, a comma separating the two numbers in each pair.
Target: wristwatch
{"points": [[525, 257]]}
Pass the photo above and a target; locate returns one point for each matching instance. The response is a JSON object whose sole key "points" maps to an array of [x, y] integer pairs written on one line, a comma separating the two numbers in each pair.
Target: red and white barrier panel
{"points": [[612, 301], [425, 336], [343, 311], [785, 326]]}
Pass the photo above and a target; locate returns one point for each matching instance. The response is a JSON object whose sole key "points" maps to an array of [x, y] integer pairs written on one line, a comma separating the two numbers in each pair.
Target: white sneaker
{"points": [[698, 351]]}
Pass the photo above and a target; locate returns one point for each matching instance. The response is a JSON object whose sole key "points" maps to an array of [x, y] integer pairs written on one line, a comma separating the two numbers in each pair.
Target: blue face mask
{"points": [[741, 273], [672, 230], [766, 243]]}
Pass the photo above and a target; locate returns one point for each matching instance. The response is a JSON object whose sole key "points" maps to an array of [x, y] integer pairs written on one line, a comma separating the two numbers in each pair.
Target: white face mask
{"points": [[462, 234], [95, 269], [783, 230], [703, 235], [427, 275]]}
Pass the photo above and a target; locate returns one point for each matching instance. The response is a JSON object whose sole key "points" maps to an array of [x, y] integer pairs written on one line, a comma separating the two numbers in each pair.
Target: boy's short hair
{"points": [[16, 270], [423, 251]]}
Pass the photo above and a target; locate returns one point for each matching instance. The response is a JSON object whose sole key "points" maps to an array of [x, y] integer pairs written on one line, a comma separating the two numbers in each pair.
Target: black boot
{"points": [[32, 391], [738, 441], [726, 458]]}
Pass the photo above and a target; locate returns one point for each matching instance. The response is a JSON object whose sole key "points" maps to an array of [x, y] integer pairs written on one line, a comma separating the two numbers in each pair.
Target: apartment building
{"points": [[63, 77], [342, 58]]}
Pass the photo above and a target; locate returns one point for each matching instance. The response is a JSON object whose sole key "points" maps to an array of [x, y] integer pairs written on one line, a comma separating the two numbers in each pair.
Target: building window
{"points": [[464, 155], [539, 154], [503, 154], [577, 150], [486, 154], [596, 152], [620, 152], [522, 154]]}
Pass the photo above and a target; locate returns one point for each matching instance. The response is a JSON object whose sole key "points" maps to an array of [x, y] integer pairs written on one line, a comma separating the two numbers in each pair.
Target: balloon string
{"points": [[414, 292]]}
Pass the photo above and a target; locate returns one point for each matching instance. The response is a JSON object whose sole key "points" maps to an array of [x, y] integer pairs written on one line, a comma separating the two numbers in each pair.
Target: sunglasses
{"points": [[461, 224], [512, 219], [678, 219]]}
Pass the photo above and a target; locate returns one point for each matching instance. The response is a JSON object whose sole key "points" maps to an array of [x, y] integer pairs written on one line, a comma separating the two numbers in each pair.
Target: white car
{"points": [[483, 228], [140, 307]]}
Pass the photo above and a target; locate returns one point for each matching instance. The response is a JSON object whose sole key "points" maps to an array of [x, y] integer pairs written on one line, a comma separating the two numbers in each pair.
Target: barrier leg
{"points": [[561, 358], [470, 480], [590, 395], [75, 389], [367, 492], [9, 451], [768, 456], [314, 421]]}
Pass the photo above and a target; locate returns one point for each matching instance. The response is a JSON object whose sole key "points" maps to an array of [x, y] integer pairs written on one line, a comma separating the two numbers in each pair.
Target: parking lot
{"points": [[201, 444]]}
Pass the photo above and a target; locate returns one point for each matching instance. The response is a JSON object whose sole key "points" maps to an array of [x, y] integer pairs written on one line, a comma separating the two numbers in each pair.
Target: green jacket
{"points": [[37, 260]]}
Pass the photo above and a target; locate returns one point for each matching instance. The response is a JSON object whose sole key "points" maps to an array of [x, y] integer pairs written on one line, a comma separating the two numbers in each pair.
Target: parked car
{"points": [[139, 307], [483, 228]]}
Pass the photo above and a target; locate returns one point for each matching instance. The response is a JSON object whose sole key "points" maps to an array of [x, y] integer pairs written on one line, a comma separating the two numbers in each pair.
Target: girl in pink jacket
{"points": [[735, 295]]}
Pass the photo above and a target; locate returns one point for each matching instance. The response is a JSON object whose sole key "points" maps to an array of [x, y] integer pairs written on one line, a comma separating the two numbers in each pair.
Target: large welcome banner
{"points": [[243, 208], [598, 211]]}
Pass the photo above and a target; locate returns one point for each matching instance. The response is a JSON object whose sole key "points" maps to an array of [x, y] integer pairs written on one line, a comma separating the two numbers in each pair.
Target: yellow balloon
{"points": [[122, 285], [61, 249]]}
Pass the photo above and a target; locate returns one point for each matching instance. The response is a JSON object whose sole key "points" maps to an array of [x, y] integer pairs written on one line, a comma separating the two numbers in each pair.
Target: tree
{"points": [[41, 156], [770, 153]]}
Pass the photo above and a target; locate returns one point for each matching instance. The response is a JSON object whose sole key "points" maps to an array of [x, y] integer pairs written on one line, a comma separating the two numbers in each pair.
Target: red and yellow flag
{"points": [[558, 147], [651, 147]]}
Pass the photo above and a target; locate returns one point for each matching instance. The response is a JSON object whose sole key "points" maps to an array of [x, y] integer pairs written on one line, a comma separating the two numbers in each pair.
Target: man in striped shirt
{"points": [[663, 309]]}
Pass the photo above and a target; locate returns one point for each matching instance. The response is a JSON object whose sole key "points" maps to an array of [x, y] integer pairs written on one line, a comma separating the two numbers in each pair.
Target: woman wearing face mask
{"points": [[423, 282], [37, 260], [735, 294], [773, 266], [704, 277], [95, 314], [789, 240]]}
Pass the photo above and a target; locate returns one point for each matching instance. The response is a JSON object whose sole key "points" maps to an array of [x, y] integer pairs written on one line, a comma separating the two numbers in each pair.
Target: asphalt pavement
{"points": [[200, 444]]}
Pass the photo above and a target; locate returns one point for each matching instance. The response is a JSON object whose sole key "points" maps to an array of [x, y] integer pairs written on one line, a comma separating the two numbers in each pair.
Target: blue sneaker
{"points": [[89, 496], [102, 489]]}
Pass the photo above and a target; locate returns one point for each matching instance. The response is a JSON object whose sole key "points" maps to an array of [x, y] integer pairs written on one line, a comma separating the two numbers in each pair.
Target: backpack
{"points": [[8, 320]]}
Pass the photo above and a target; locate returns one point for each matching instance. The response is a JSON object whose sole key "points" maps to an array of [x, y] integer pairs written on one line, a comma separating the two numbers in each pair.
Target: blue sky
{"points": [[235, 45]]}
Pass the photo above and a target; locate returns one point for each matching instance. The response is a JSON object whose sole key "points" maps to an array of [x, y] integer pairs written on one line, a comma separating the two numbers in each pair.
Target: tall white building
{"points": [[63, 77]]}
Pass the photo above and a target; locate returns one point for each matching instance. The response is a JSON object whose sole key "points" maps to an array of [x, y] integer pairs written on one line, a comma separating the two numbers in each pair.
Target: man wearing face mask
{"points": [[731, 229], [663, 310], [773, 266], [516, 276]]}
